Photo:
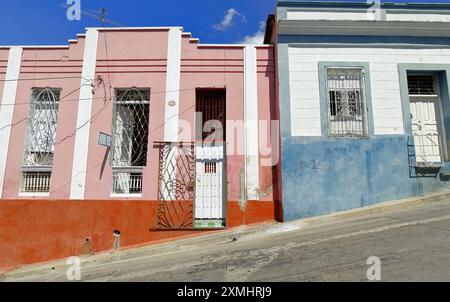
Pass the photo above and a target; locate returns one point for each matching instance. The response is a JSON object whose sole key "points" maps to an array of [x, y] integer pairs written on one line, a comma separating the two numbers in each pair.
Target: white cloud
{"points": [[228, 19], [256, 38]]}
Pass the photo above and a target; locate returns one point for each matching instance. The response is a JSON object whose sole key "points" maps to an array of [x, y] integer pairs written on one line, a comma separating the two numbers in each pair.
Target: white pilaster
{"points": [[80, 157], [172, 105], [251, 122], [7, 107], [172, 85]]}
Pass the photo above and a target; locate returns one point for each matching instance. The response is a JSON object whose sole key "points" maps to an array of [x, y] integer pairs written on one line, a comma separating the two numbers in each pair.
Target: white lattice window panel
{"points": [[130, 130], [127, 181], [40, 140], [36, 182], [347, 114]]}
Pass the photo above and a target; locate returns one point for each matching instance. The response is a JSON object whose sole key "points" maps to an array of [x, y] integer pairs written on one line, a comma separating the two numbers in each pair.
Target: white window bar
{"points": [[40, 140], [347, 116], [36, 182], [127, 181], [422, 85]]}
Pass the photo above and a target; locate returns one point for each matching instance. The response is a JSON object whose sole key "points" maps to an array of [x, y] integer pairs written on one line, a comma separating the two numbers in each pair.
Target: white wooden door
{"points": [[209, 188], [426, 119]]}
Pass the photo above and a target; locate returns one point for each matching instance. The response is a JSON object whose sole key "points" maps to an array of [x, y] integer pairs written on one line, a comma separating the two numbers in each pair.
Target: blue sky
{"points": [[32, 22]]}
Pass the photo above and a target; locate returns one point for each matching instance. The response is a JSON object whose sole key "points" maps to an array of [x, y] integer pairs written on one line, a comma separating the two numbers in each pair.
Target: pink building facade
{"points": [[141, 131]]}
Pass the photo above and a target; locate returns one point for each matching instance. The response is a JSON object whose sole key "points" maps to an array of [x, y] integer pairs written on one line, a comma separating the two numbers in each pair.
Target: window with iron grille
{"points": [[40, 140], [422, 85], [130, 128], [347, 115]]}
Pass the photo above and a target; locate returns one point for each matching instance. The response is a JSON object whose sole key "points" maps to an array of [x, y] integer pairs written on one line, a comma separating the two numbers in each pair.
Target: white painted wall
{"points": [[385, 86], [364, 16], [80, 157], [7, 107]]}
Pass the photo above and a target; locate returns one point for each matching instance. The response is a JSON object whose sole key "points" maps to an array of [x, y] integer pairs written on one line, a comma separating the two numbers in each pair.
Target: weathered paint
{"points": [[321, 174], [59, 228], [251, 122]]}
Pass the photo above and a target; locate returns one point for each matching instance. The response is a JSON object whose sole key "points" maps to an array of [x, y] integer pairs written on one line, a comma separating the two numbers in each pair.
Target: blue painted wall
{"points": [[322, 175]]}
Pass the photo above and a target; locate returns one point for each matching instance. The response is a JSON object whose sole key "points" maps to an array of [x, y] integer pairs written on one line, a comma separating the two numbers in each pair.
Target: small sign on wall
{"points": [[104, 139]]}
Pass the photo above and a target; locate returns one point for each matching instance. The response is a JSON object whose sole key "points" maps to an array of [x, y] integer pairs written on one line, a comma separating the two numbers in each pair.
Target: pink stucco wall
{"points": [[125, 58], [133, 58], [46, 67]]}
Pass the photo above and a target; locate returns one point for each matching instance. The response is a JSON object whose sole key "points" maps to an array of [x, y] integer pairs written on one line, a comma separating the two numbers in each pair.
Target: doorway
{"points": [[426, 120], [210, 159]]}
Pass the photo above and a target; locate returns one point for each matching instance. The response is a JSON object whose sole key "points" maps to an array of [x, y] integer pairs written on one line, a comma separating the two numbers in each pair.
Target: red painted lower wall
{"points": [[40, 230]]}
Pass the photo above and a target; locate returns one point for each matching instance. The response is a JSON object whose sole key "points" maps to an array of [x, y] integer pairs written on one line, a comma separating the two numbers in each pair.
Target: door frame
{"points": [[199, 141], [442, 71], [439, 122]]}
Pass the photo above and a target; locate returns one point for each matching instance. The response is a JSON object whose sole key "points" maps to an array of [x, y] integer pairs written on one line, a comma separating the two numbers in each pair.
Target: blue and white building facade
{"points": [[364, 103]]}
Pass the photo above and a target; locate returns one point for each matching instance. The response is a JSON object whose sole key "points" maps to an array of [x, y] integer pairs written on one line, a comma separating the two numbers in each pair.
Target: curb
{"points": [[375, 208]]}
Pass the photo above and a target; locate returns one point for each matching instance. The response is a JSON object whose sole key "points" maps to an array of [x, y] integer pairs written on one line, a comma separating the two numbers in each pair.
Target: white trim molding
{"points": [[81, 148], [7, 107], [251, 123]]}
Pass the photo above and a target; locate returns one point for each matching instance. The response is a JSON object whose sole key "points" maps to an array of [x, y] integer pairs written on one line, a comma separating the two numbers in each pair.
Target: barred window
{"points": [[40, 140], [347, 116], [422, 85], [130, 128]]}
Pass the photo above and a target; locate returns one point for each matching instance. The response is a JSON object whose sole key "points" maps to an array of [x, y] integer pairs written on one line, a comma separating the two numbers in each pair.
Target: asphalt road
{"points": [[412, 244]]}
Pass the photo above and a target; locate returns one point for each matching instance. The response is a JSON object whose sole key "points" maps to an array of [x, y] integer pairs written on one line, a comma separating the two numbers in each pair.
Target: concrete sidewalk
{"points": [[220, 238]]}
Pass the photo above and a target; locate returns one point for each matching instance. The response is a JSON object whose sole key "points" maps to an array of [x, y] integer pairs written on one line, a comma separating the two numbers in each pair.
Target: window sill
{"points": [[34, 194], [126, 195]]}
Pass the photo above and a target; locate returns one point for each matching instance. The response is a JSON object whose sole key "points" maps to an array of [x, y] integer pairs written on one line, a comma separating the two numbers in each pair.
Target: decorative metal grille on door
{"points": [[176, 185], [210, 191]]}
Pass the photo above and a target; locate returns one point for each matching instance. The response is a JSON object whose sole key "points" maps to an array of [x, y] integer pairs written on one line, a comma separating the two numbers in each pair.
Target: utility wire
{"points": [[96, 98], [28, 103], [44, 79], [106, 101]]}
